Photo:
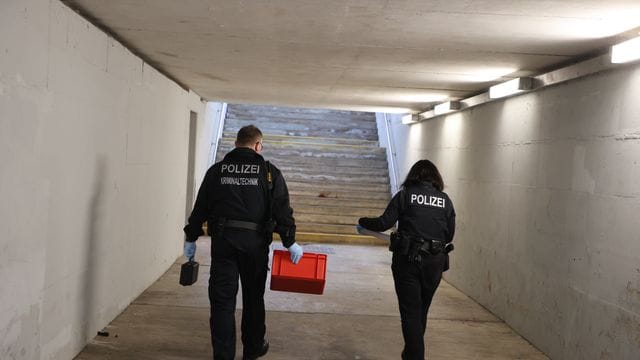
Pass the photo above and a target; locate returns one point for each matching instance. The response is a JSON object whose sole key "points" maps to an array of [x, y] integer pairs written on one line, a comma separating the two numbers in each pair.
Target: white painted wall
{"points": [[93, 162], [547, 191]]}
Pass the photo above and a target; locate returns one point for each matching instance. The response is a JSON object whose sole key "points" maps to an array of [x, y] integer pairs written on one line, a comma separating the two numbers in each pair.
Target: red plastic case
{"points": [[307, 277]]}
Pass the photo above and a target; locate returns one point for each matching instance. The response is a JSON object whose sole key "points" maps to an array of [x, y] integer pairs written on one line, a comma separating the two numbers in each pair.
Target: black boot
{"points": [[261, 352]]}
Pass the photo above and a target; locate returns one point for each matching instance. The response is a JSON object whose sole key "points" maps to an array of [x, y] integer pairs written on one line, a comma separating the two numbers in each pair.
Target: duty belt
{"points": [[247, 225]]}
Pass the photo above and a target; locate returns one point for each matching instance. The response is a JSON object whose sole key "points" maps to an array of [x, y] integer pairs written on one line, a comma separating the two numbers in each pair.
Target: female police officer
{"points": [[426, 226]]}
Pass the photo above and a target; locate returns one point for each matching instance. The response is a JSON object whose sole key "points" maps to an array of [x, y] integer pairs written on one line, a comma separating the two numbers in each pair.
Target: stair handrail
{"points": [[217, 133], [391, 155]]}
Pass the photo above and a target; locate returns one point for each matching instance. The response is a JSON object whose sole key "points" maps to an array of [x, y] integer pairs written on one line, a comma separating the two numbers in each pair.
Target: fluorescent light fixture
{"points": [[605, 24], [410, 119], [510, 87], [446, 107], [626, 51]]}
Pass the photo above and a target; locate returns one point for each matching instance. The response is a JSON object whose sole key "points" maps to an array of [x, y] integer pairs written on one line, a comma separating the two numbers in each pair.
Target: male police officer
{"points": [[242, 198]]}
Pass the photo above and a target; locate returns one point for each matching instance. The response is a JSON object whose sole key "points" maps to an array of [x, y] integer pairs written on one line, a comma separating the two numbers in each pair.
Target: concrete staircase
{"points": [[335, 170]]}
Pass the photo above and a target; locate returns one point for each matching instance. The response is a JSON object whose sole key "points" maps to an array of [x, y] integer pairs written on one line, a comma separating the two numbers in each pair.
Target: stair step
{"points": [[301, 130], [313, 168], [266, 109], [283, 114], [311, 237], [341, 195], [338, 179], [281, 160], [333, 162], [301, 200], [315, 150], [333, 219], [317, 153], [327, 228], [348, 211], [272, 138], [323, 187], [228, 143], [331, 125]]}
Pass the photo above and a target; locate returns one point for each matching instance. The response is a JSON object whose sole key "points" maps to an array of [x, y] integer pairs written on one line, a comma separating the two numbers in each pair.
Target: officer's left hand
{"points": [[189, 250], [296, 253]]}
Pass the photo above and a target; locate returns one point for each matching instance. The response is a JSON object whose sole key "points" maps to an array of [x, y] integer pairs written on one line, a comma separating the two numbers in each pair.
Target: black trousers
{"points": [[242, 254], [415, 286]]}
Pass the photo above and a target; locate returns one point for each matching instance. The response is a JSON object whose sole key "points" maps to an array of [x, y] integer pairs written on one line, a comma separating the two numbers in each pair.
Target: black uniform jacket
{"points": [[421, 211], [236, 188]]}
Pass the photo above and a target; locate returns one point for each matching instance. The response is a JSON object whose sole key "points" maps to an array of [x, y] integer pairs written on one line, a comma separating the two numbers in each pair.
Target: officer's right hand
{"points": [[295, 251], [190, 250]]}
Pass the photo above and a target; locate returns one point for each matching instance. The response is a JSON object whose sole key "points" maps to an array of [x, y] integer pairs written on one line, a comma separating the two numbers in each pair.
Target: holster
{"points": [[406, 245], [399, 242], [432, 247], [415, 250], [393, 241], [448, 247]]}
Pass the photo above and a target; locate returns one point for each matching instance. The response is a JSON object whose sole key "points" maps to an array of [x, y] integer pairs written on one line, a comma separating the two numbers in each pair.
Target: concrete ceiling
{"points": [[372, 55]]}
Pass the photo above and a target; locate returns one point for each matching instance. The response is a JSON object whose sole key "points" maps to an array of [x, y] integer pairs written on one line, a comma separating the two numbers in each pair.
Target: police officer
{"points": [[243, 198], [426, 226]]}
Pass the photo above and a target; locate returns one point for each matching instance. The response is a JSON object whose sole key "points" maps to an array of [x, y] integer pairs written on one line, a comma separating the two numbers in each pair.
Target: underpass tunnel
{"points": [[112, 112]]}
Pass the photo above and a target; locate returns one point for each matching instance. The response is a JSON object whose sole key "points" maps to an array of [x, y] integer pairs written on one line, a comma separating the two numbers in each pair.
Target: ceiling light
{"points": [[446, 107], [510, 87], [626, 51], [410, 119]]}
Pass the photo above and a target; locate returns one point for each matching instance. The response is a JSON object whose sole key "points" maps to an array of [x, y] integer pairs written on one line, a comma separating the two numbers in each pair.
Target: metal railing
{"points": [[391, 155], [217, 134]]}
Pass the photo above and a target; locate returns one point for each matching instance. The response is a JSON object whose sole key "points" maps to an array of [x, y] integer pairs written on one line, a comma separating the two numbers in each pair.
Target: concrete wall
{"points": [[93, 159], [547, 190]]}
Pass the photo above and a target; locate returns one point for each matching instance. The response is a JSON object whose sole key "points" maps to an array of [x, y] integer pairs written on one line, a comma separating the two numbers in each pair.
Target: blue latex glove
{"points": [[189, 250], [296, 253]]}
